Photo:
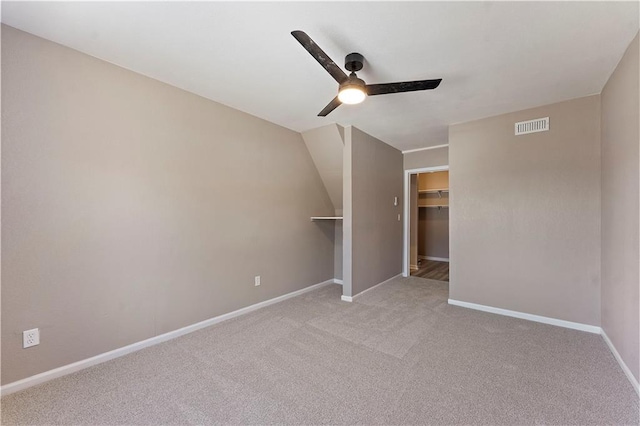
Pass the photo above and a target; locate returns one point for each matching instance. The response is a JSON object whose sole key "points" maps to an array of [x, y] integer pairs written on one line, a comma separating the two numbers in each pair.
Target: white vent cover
{"points": [[532, 126]]}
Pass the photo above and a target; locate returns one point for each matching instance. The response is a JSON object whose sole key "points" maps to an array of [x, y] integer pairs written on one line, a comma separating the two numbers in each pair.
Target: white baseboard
{"points": [[439, 259], [116, 353], [337, 281], [530, 317], [616, 355], [350, 298]]}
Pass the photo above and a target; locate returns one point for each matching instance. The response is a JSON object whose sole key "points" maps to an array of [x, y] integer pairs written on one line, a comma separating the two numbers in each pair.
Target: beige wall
{"points": [[347, 222], [426, 158], [620, 212], [337, 251], [375, 176], [433, 180], [525, 212], [131, 208], [433, 233]]}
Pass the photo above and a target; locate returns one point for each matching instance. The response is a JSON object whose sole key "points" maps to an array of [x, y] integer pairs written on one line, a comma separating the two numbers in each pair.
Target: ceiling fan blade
{"points": [[335, 103], [319, 55], [405, 86]]}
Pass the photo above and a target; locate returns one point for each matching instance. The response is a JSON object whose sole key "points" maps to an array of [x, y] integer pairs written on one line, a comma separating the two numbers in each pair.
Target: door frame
{"points": [[405, 226]]}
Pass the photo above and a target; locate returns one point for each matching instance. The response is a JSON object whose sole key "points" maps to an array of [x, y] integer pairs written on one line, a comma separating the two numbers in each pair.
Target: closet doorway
{"points": [[427, 223]]}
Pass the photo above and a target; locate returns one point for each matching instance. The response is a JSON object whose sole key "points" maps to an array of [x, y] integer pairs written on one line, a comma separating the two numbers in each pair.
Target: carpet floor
{"points": [[398, 354]]}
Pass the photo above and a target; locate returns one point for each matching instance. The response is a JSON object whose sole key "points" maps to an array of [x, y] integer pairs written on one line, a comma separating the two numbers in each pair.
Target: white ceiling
{"points": [[493, 57]]}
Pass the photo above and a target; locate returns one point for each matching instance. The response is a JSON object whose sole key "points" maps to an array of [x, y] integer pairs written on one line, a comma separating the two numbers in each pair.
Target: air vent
{"points": [[532, 126]]}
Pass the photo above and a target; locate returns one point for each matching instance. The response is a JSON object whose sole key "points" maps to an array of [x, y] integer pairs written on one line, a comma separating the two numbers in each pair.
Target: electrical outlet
{"points": [[256, 280], [398, 217], [30, 338]]}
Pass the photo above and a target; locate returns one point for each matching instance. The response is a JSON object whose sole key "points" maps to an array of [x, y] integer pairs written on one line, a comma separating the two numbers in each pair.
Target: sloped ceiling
{"points": [[326, 146]]}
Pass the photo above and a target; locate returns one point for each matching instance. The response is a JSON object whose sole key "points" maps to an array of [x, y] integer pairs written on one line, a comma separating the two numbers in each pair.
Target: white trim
{"points": [[377, 285], [405, 225], [337, 281], [351, 298], [425, 148], [116, 353], [530, 317], [624, 367], [439, 259]]}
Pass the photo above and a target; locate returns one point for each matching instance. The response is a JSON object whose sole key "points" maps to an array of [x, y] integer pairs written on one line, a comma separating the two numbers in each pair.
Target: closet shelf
{"points": [[326, 218], [433, 191], [435, 206]]}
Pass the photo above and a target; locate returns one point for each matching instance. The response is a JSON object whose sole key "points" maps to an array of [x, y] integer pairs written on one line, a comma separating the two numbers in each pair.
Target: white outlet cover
{"points": [[30, 338], [257, 280]]}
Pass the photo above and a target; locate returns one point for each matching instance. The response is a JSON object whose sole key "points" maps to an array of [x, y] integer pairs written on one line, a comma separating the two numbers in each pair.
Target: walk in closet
{"points": [[430, 225]]}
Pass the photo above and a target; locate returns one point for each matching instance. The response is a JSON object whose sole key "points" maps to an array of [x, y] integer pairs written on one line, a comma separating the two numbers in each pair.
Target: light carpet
{"points": [[398, 354]]}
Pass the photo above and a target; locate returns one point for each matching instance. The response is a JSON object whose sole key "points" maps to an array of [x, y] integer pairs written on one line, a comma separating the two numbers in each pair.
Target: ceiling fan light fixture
{"points": [[353, 91], [351, 95]]}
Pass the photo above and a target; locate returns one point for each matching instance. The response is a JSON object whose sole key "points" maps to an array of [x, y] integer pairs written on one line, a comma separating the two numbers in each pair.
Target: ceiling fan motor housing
{"points": [[353, 62], [354, 82]]}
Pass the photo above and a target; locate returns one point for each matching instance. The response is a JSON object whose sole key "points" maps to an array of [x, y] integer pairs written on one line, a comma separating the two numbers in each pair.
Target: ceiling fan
{"points": [[354, 90]]}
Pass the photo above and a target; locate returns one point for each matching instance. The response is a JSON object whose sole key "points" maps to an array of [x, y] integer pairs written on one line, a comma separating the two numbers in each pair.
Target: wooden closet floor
{"points": [[433, 270]]}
